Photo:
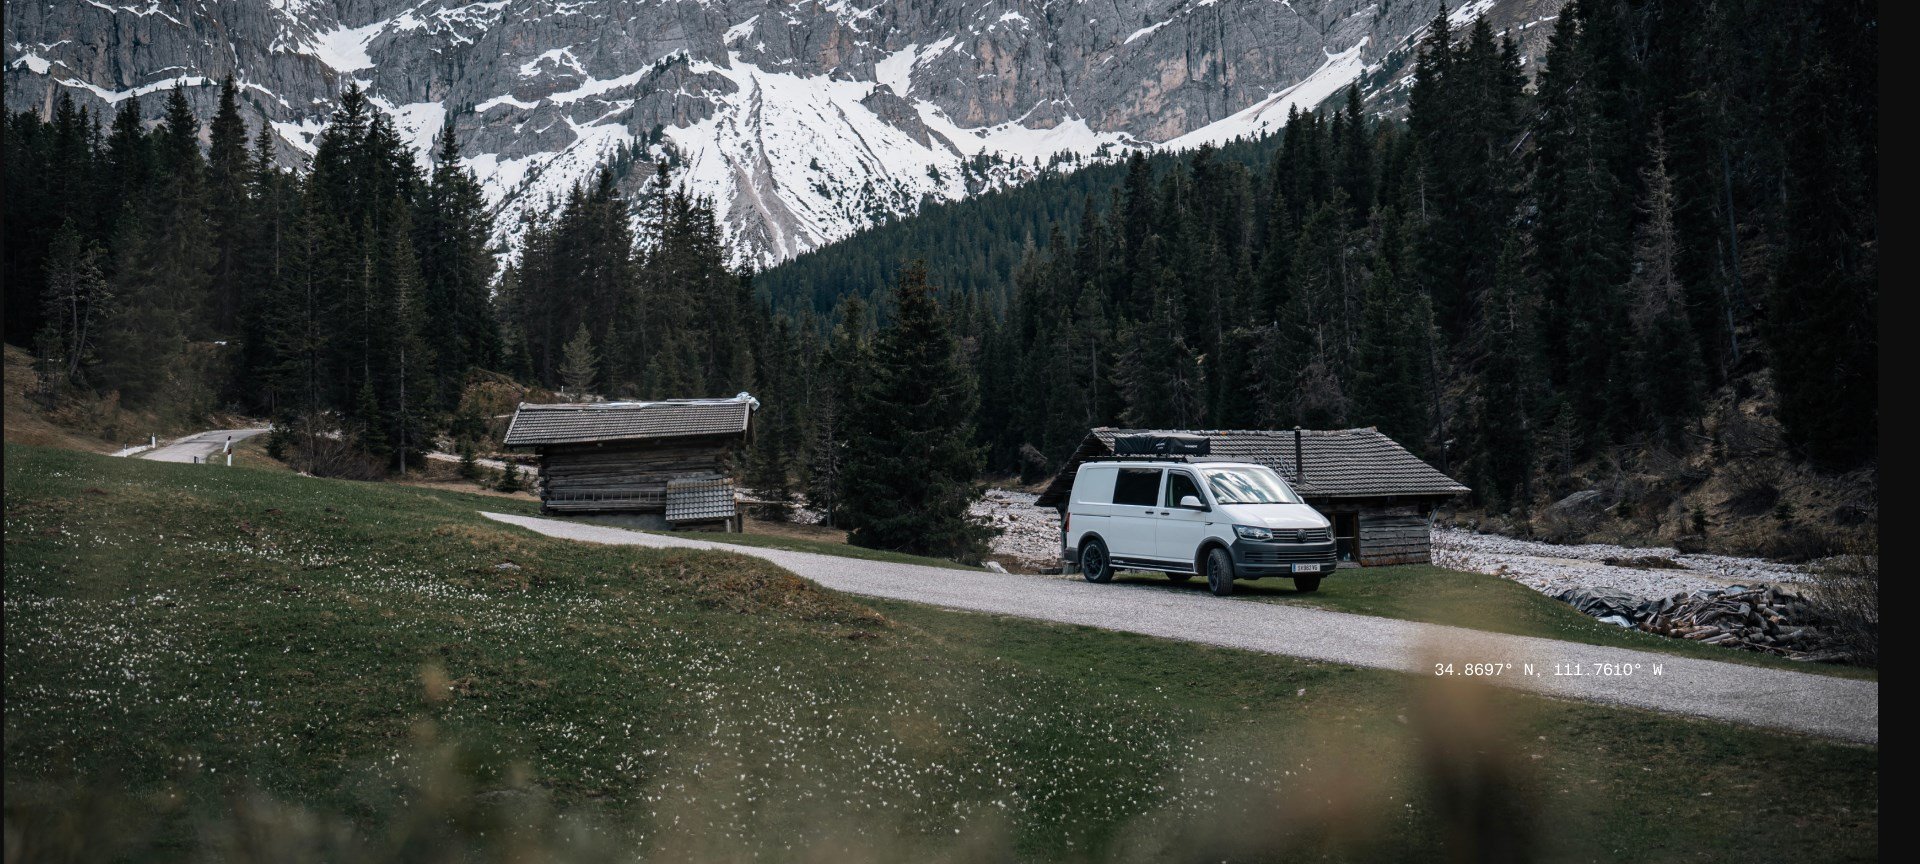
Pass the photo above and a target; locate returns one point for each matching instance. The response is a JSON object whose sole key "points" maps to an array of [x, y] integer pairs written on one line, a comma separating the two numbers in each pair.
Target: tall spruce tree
{"points": [[845, 366], [1666, 368], [1506, 381], [230, 175], [581, 366], [76, 301], [910, 450], [451, 229]]}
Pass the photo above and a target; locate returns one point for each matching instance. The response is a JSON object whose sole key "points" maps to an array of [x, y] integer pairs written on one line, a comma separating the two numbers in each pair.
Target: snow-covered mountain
{"points": [[804, 121]]}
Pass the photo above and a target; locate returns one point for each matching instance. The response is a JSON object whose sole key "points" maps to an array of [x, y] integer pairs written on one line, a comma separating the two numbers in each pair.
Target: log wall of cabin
{"points": [[626, 475], [1391, 531]]}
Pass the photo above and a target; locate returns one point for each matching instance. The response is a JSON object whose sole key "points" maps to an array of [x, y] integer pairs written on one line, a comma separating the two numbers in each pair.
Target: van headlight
{"points": [[1252, 532]]}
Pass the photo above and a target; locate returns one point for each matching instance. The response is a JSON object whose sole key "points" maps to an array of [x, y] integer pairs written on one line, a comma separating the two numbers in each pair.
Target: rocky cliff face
{"points": [[803, 121]]}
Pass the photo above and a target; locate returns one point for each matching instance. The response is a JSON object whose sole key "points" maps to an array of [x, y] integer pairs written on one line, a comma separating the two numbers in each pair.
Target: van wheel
{"points": [[1219, 572], [1305, 584], [1176, 576], [1095, 566]]}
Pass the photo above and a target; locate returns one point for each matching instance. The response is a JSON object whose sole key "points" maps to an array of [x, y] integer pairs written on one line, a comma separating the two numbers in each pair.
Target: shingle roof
{"points": [[579, 423], [698, 499], [1341, 463]]}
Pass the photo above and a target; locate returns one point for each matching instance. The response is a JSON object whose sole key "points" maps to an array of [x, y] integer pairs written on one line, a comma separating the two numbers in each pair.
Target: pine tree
{"points": [[582, 364], [406, 359], [1823, 309], [129, 167], [469, 462], [845, 365], [76, 300], [142, 338], [910, 449], [451, 229], [1160, 377], [1390, 389], [1667, 370], [1582, 236], [770, 459], [1502, 423], [230, 176]]}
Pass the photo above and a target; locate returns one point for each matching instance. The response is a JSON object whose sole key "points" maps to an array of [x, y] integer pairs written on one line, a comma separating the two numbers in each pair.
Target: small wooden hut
{"points": [[1379, 497], [657, 464]]}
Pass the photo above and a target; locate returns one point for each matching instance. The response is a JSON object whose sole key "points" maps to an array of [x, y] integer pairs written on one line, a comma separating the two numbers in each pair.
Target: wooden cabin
{"points": [[665, 464], [1379, 497]]}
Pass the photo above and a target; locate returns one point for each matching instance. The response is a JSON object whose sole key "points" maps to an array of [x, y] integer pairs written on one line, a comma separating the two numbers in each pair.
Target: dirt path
{"points": [[1795, 701]]}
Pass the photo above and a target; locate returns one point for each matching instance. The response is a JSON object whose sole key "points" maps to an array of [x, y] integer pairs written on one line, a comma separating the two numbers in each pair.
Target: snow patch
{"points": [[739, 31], [345, 49], [484, 107], [419, 124], [895, 71], [1144, 32], [113, 97], [1270, 114], [1464, 15], [595, 86], [300, 135]]}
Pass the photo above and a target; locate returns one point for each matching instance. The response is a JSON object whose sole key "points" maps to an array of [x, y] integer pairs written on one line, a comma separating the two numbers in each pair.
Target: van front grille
{"points": [[1301, 535]]}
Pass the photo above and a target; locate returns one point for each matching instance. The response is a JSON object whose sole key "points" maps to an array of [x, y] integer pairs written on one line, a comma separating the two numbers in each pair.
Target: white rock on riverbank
{"points": [[1029, 535], [1552, 569]]}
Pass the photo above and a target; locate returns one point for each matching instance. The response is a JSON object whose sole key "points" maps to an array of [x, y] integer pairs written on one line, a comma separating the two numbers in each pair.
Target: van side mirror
{"points": [[1192, 502]]}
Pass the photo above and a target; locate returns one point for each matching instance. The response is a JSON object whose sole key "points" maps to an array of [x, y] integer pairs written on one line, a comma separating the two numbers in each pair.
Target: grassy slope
{"points": [[177, 636], [1482, 602]]}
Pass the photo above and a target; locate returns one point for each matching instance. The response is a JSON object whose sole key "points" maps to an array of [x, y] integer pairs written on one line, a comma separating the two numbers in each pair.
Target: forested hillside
{"points": [[1524, 275], [1653, 249]]}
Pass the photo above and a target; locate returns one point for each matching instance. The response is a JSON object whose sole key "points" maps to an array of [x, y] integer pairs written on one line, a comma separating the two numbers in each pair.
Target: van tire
{"points": [[1095, 565], [1177, 576], [1219, 572], [1306, 584]]}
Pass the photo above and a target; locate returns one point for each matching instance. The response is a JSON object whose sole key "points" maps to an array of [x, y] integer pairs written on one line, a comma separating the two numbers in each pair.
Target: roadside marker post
{"points": [[229, 460]]}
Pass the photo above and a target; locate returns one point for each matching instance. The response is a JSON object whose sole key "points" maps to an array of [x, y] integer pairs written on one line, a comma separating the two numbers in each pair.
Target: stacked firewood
{"points": [[1763, 619], [1757, 619]]}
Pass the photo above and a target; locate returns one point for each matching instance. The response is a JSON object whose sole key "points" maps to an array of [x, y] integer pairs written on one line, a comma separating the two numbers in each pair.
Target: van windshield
{"points": [[1249, 486]]}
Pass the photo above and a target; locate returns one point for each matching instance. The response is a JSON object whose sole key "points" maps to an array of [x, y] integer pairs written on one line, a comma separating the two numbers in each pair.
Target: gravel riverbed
{"points": [[1029, 536], [1551, 569]]}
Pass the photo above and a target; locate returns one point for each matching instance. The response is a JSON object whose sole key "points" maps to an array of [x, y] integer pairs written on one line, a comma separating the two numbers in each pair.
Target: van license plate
{"points": [[1306, 568]]}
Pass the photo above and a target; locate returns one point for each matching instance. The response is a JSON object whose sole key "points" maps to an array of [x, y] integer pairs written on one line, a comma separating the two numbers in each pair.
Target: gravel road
{"points": [[198, 448], [1795, 701]]}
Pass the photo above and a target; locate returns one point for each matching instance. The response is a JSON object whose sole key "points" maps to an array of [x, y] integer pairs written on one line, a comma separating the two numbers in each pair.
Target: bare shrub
{"points": [[318, 445], [1743, 435], [1756, 490], [1848, 600]]}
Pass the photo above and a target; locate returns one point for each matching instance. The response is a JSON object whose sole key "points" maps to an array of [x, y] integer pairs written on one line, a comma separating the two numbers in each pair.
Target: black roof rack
{"points": [[1148, 457]]}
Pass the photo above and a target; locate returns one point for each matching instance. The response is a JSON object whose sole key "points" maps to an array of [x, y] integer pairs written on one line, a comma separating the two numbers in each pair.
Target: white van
{"points": [[1227, 520]]}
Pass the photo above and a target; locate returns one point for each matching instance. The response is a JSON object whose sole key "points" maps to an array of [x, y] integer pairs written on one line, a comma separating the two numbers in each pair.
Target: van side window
{"points": [[1137, 486], [1179, 485]]}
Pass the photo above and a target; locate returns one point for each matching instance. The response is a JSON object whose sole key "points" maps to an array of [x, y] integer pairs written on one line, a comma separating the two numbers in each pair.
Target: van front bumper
{"points": [[1253, 559]]}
